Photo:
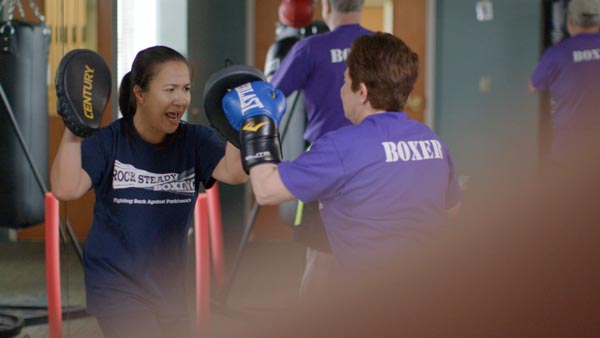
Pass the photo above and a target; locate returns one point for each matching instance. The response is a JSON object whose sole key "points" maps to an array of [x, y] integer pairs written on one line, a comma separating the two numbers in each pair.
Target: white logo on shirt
{"points": [[339, 55], [586, 55], [412, 150], [126, 176]]}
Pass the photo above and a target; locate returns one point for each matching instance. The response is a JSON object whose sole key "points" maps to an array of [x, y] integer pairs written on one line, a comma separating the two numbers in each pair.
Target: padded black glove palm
{"points": [[83, 85]]}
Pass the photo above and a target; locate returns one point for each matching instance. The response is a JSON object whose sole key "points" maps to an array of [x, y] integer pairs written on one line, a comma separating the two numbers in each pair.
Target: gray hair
{"points": [[585, 13], [346, 6]]}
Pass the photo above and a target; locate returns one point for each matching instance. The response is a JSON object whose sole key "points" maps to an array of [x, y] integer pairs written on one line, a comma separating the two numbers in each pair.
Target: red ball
{"points": [[296, 13]]}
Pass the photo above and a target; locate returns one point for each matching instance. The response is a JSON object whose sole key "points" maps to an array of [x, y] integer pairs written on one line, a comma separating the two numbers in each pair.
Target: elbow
{"points": [[64, 193], [57, 190], [61, 194]]}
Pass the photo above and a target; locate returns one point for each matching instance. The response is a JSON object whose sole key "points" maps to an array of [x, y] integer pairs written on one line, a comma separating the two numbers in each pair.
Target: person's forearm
{"points": [[230, 170], [65, 175], [267, 185]]}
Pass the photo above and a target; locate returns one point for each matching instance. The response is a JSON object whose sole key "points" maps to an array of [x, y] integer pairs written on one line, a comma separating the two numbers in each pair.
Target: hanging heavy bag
{"points": [[23, 75]]}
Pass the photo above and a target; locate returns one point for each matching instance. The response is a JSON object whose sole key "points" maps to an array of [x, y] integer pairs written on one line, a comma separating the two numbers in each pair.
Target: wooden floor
{"points": [[267, 280]]}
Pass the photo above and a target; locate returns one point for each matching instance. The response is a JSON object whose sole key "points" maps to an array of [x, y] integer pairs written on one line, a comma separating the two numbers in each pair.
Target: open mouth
{"points": [[173, 117]]}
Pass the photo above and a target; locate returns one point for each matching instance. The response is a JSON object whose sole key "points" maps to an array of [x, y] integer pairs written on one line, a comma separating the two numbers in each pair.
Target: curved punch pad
{"points": [[217, 86], [83, 86]]}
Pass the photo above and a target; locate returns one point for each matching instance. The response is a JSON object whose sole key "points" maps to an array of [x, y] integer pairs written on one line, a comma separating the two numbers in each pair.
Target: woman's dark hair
{"points": [[142, 72]]}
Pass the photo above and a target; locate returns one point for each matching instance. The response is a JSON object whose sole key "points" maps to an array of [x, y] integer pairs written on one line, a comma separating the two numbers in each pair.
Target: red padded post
{"points": [[53, 266], [201, 236], [216, 235]]}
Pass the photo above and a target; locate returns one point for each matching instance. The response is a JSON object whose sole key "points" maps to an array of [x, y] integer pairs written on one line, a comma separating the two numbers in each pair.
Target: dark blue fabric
{"points": [[144, 324], [135, 253]]}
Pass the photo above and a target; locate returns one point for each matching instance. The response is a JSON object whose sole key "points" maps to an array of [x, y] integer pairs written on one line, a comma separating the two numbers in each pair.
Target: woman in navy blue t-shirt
{"points": [[146, 169]]}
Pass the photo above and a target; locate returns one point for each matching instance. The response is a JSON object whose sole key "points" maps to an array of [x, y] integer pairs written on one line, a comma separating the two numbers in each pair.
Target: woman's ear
{"points": [[364, 92], [571, 28], [138, 93]]}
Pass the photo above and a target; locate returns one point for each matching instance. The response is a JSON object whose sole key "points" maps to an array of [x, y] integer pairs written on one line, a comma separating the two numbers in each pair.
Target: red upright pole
{"points": [[216, 235], [53, 267], [202, 266]]}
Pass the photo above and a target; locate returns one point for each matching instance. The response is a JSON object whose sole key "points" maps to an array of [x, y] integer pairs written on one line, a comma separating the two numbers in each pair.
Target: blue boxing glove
{"points": [[253, 99], [255, 110]]}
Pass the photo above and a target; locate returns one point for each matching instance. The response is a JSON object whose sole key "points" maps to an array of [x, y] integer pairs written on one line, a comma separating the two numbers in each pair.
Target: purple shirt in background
{"points": [[570, 70], [316, 65], [381, 185]]}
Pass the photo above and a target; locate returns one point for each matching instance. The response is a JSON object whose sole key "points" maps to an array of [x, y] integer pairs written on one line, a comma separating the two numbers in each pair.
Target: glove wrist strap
{"points": [[260, 142]]}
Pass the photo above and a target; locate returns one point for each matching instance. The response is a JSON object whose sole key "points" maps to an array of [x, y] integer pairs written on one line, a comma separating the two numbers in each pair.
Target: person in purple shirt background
{"points": [[315, 66], [295, 23], [383, 183], [570, 71]]}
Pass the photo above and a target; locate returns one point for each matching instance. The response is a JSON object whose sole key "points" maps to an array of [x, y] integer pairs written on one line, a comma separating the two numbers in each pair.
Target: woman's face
{"points": [[161, 106]]}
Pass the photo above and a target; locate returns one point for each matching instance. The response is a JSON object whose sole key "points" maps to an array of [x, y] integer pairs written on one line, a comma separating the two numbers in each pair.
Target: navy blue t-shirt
{"points": [[135, 253]]}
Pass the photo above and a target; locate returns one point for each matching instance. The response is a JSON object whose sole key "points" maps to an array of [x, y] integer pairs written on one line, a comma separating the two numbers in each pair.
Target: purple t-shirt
{"points": [[381, 184], [316, 65], [570, 70]]}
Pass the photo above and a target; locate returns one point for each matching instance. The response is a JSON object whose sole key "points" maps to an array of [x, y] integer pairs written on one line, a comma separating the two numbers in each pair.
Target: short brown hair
{"points": [[387, 66]]}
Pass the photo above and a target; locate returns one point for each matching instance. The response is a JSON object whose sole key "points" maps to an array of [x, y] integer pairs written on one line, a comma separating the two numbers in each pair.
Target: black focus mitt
{"points": [[219, 84], [83, 85]]}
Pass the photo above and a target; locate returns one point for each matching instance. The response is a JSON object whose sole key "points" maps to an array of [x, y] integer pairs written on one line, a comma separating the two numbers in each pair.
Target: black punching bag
{"points": [[23, 75]]}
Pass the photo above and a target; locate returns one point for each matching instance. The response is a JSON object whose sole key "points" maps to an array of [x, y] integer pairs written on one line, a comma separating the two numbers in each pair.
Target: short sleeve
{"points": [[95, 153], [317, 174], [209, 151], [294, 70], [545, 72]]}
